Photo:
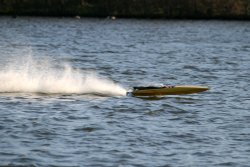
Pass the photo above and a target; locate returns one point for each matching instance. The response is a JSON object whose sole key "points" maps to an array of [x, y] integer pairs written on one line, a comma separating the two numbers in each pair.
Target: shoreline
{"points": [[138, 9]]}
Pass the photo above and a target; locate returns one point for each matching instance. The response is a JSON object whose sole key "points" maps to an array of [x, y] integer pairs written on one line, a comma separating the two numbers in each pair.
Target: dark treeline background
{"points": [[173, 9]]}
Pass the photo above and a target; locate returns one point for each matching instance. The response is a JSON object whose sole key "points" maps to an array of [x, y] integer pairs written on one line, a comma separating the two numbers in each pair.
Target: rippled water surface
{"points": [[63, 83]]}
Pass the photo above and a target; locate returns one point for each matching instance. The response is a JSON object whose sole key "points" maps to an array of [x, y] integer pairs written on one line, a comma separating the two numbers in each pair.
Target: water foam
{"points": [[33, 76]]}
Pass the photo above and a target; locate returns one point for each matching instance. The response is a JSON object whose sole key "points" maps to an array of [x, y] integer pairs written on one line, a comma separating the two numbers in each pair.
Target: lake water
{"points": [[63, 85]]}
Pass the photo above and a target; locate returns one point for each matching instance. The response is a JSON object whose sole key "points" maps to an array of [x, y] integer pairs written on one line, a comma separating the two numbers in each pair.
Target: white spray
{"points": [[40, 77]]}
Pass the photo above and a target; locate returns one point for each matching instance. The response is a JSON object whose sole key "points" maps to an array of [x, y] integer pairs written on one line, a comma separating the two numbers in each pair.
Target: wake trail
{"points": [[33, 76]]}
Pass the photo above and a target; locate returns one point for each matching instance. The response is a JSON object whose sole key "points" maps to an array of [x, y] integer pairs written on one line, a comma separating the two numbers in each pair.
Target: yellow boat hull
{"points": [[168, 90]]}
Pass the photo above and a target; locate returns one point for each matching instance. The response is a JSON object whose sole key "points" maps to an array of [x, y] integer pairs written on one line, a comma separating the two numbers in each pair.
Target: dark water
{"points": [[58, 129]]}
